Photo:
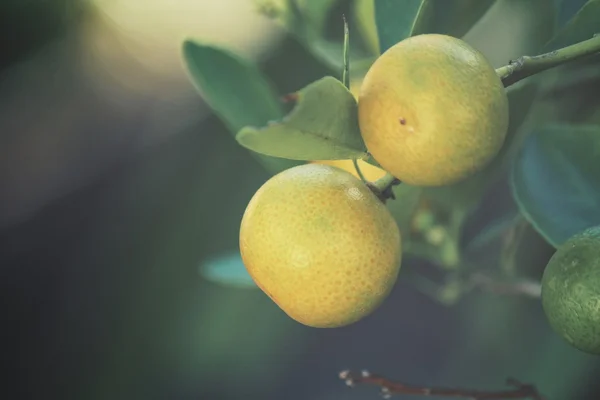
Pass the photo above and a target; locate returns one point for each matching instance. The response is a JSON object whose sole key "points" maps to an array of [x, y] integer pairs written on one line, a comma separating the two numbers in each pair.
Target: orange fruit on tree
{"points": [[321, 245], [432, 110]]}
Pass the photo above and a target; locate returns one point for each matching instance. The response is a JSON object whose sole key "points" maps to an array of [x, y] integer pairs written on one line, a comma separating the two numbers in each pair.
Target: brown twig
{"points": [[389, 388]]}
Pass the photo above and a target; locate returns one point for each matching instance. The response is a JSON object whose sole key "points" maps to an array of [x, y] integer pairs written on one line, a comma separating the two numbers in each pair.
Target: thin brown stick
{"points": [[389, 388]]}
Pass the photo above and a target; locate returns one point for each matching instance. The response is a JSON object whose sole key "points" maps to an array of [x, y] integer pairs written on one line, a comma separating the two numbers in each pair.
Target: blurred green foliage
{"points": [[555, 180], [238, 92]]}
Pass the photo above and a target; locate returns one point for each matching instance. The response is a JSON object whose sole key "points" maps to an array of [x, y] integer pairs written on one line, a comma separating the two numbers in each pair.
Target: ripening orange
{"points": [[432, 110], [321, 245]]}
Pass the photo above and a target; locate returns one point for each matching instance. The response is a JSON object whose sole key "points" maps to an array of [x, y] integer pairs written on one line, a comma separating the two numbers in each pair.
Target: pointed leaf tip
{"points": [[323, 125]]}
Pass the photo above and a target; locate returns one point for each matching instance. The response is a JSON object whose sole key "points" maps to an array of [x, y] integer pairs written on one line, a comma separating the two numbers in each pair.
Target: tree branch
{"points": [[526, 66], [389, 388], [527, 288], [359, 171]]}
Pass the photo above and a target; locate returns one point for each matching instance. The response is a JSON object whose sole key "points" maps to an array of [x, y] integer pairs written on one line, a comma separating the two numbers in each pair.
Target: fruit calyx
{"points": [[383, 188]]}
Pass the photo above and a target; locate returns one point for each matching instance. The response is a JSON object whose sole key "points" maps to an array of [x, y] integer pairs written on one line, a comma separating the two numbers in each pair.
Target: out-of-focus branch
{"points": [[389, 388], [526, 288]]}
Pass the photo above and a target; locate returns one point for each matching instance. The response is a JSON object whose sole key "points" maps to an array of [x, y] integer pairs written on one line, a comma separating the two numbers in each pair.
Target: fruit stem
{"points": [[385, 182], [526, 66], [358, 171], [383, 187], [346, 70]]}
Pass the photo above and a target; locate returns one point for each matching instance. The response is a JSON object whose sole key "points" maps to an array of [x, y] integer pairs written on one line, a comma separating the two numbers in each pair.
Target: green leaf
{"points": [[236, 91], [532, 24], [455, 18], [570, 95], [555, 180], [363, 12], [398, 20], [322, 126], [227, 269], [584, 25]]}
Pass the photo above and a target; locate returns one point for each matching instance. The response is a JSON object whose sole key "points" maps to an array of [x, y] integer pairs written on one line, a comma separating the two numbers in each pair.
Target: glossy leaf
{"points": [[584, 25], [227, 269], [555, 180], [236, 91], [397, 20], [322, 126]]}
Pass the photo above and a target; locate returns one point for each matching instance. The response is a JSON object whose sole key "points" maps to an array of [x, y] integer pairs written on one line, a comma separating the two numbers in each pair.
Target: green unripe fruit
{"points": [[571, 291]]}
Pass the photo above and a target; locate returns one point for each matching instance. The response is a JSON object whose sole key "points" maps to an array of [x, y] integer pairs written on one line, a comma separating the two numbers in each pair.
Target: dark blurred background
{"points": [[117, 183]]}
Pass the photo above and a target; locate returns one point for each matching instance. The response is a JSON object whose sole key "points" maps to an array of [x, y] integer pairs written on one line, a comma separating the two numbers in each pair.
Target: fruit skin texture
{"points": [[571, 291], [432, 110], [321, 245]]}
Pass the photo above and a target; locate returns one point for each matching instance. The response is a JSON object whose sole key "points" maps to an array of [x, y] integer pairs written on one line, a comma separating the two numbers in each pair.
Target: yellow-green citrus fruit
{"points": [[571, 291], [370, 172], [432, 110], [321, 245]]}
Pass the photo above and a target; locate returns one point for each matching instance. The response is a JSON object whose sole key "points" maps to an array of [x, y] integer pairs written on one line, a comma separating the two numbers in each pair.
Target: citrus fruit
{"points": [[571, 290], [321, 245], [370, 172], [432, 110]]}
